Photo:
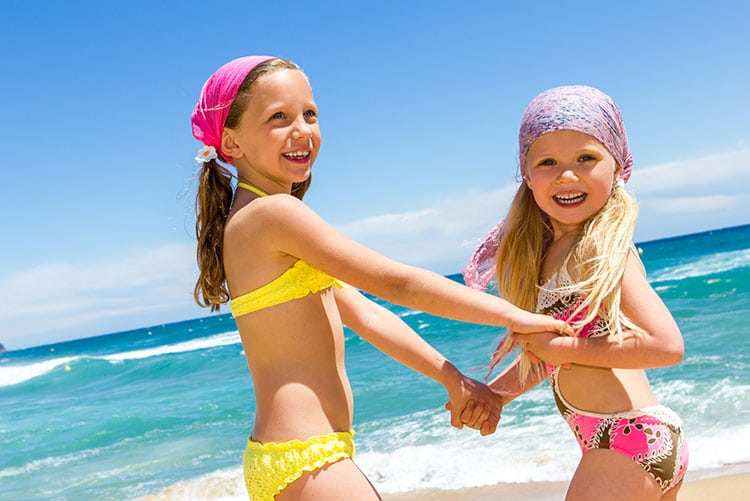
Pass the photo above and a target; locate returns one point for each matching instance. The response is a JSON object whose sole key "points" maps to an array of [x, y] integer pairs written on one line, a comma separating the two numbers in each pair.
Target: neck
{"points": [[252, 188]]}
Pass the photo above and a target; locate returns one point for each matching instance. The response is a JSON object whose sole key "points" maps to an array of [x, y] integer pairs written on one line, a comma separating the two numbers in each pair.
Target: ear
{"points": [[229, 148], [618, 172], [528, 182]]}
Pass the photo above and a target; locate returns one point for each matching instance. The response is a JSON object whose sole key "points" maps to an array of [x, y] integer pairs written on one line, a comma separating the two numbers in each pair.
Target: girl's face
{"points": [[571, 175], [278, 137]]}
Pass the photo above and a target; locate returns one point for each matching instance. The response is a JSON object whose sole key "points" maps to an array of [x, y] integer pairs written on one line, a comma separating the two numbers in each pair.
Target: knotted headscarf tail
{"points": [[216, 98], [572, 107]]}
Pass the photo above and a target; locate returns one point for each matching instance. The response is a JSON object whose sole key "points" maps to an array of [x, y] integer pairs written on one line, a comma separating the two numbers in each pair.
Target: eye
{"points": [[586, 158], [311, 114], [278, 115], [547, 161]]}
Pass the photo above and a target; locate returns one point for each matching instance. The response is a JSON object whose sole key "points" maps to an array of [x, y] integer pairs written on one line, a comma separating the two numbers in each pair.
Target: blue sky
{"points": [[419, 104]]}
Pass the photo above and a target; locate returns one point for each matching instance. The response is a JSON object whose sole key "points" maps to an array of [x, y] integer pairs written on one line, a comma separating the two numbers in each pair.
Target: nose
{"points": [[301, 129], [568, 174]]}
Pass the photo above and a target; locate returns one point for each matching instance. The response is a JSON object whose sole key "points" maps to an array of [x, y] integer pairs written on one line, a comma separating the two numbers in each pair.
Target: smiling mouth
{"points": [[297, 155], [570, 198]]}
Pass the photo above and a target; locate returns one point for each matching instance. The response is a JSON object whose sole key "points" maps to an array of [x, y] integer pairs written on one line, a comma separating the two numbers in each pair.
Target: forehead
{"points": [[560, 141], [282, 85]]}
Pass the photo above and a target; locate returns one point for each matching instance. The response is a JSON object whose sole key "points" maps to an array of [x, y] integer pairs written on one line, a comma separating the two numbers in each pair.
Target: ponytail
{"points": [[211, 208]]}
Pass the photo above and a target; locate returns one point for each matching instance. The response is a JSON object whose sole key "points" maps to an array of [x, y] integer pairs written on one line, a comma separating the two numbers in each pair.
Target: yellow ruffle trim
{"points": [[270, 467]]}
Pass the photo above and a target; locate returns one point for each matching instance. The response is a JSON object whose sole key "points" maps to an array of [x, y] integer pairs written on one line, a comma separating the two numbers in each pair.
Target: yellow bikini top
{"points": [[297, 282]]}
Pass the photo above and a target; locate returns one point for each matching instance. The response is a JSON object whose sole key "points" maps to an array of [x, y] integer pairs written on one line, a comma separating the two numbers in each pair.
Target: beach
{"points": [[725, 486], [722, 484], [164, 412]]}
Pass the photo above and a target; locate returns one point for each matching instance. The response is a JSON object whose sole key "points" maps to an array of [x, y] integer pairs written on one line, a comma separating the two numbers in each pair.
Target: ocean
{"points": [[168, 408]]}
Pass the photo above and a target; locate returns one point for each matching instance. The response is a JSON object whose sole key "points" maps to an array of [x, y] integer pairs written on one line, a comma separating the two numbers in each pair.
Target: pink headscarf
{"points": [[572, 107], [216, 98]]}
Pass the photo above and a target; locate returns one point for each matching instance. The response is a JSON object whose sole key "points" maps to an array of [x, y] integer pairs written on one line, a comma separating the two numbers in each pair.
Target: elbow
{"points": [[674, 353], [401, 287], [674, 357]]}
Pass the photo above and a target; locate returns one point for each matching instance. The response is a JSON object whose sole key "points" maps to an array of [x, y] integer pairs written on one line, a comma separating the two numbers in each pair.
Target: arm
{"points": [[294, 229], [508, 384], [395, 338], [659, 345]]}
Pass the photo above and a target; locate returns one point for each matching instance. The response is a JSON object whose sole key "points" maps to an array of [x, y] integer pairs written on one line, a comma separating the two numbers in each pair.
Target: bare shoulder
{"points": [[634, 265], [264, 214]]}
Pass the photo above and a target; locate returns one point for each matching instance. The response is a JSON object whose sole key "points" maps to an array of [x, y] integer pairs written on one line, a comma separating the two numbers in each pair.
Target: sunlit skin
{"points": [[271, 145], [571, 175]]}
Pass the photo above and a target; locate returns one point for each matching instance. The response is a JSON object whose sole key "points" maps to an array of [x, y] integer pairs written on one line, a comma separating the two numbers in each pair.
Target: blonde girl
{"points": [[566, 250]]}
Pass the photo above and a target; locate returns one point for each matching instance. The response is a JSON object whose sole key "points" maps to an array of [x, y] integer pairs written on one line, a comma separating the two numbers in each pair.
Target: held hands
{"points": [[484, 415]]}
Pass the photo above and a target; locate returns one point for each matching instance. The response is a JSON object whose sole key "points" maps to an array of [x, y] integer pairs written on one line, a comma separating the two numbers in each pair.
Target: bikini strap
{"points": [[255, 190]]}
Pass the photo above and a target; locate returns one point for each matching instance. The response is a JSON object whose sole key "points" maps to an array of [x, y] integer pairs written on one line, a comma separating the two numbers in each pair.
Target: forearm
{"points": [[391, 335], [638, 350], [427, 291], [508, 383], [395, 338]]}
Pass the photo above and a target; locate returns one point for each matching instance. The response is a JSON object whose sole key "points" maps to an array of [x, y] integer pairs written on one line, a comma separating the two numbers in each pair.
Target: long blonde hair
{"points": [[214, 200], [597, 261]]}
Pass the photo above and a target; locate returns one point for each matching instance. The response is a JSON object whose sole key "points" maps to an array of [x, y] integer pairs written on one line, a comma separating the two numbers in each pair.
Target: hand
{"points": [[540, 347], [525, 322], [474, 404], [481, 416]]}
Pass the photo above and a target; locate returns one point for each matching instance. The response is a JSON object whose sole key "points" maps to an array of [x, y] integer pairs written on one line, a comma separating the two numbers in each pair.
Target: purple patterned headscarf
{"points": [[579, 108], [571, 107]]}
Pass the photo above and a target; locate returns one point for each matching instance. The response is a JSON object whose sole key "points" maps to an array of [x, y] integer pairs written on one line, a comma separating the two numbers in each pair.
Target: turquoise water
{"points": [[169, 407]]}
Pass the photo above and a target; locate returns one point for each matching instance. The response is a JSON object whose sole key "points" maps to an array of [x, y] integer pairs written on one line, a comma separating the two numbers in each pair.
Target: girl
{"points": [[566, 249], [283, 269]]}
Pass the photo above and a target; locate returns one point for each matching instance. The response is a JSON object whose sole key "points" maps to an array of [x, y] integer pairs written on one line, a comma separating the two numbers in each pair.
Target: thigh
{"points": [[606, 474], [338, 481]]}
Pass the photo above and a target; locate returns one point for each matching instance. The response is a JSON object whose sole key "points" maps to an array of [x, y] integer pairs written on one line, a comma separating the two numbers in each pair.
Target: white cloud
{"points": [[723, 171], [693, 195], [687, 205], [440, 237], [62, 300]]}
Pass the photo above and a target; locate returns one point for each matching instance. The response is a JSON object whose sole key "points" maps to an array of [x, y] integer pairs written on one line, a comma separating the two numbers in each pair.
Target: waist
{"points": [[602, 391], [298, 410]]}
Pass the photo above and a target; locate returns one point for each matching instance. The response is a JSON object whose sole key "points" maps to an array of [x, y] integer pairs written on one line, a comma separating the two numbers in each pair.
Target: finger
{"points": [[472, 418], [487, 409], [456, 419], [481, 413], [485, 430], [448, 406], [475, 418], [564, 329], [467, 412], [489, 426]]}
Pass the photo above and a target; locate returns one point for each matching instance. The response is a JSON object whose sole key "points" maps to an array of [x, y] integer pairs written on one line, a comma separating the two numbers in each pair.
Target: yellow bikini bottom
{"points": [[270, 467]]}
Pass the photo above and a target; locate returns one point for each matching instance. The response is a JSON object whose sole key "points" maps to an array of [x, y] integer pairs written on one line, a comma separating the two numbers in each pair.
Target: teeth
{"points": [[298, 154], [570, 198]]}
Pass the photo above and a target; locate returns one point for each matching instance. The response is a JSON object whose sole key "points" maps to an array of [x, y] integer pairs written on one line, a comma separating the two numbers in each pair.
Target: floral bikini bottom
{"points": [[650, 436]]}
